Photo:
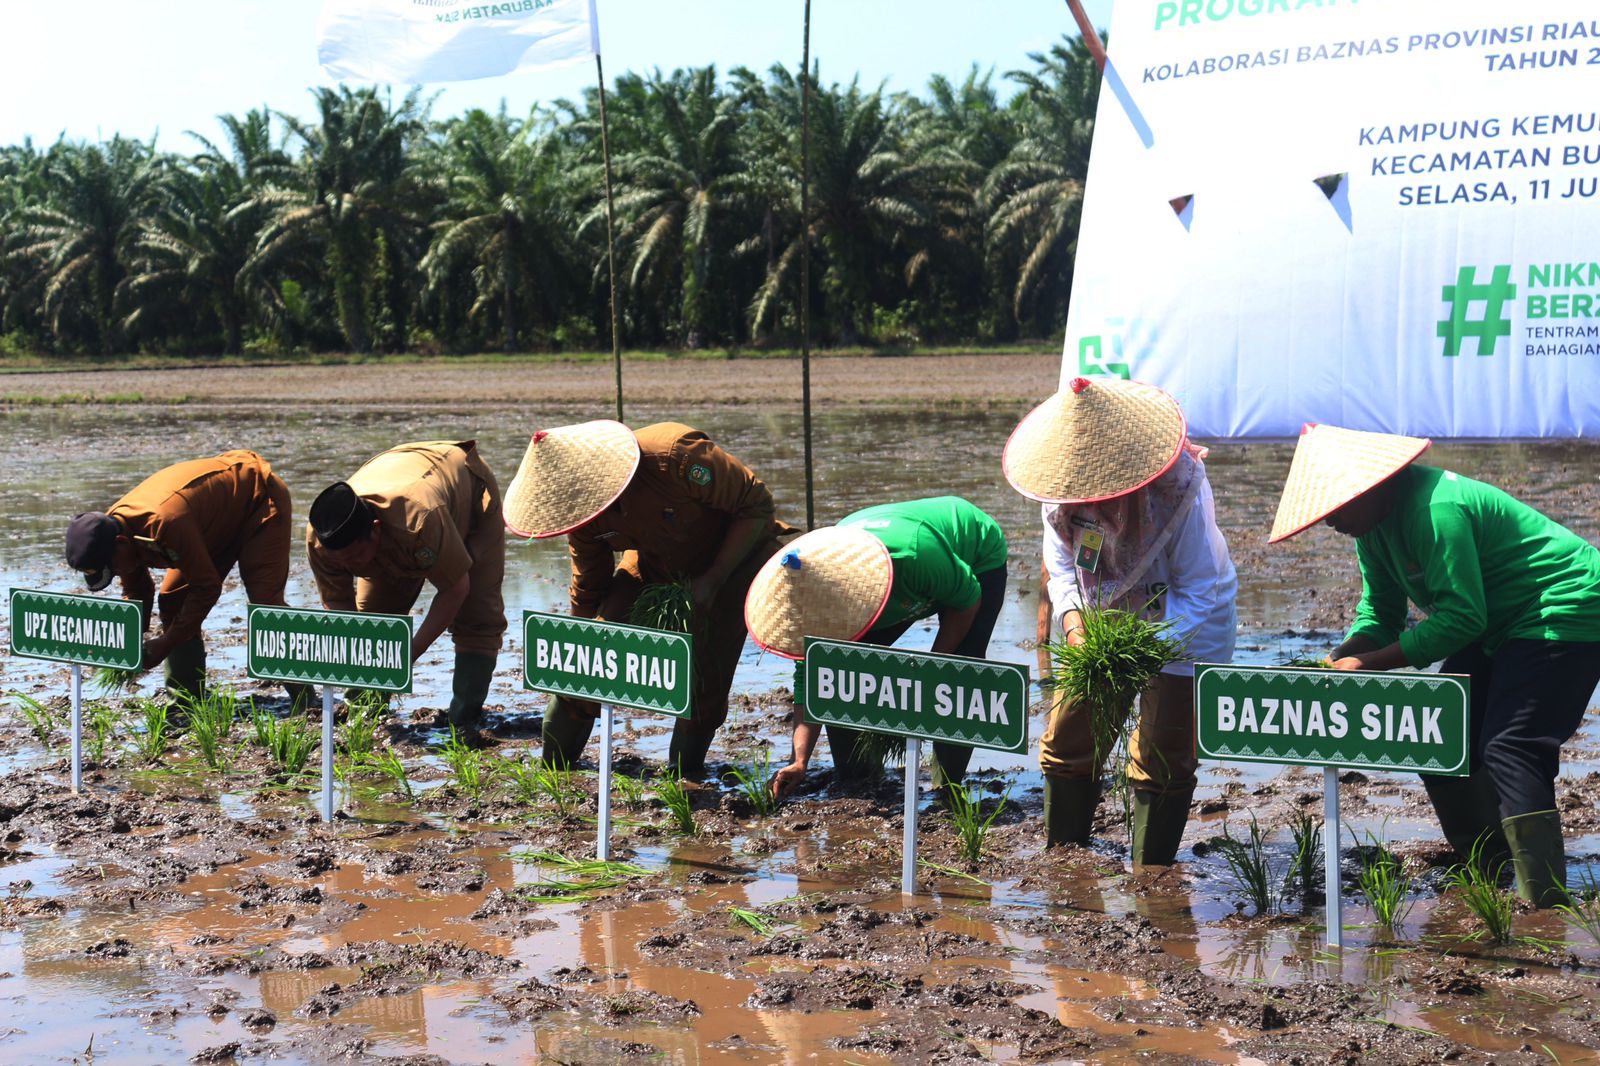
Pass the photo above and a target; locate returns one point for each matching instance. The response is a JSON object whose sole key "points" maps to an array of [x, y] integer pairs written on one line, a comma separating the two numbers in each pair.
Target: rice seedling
{"points": [[752, 779], [1479, 888], [1305, 865], [151, 741], [211, 719], [359, 733], [584, 878], [41, 719], [110, 681], [667, 605], [471, 769], [879, 749], [1306, 662], [1582, 908], [1386, 884], [950, 871], [966, 812], [289, 741], [387, 764], [1252, 871], [672, 794], [755, 921], [629, 791], [534, 780], [1119, 655], [102, 720]]}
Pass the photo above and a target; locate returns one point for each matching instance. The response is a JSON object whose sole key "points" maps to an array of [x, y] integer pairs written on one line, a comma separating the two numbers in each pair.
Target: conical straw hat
{"points": [[830, 583], [568, 476], [1333, 466], [1097, 439]]}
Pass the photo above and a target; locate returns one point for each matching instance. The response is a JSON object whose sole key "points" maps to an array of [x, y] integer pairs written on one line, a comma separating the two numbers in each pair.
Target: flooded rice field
{"points": [[178, 912]]}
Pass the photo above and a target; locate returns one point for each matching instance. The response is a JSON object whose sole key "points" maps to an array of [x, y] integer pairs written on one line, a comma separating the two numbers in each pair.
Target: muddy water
{"points": [[161, 1001]]}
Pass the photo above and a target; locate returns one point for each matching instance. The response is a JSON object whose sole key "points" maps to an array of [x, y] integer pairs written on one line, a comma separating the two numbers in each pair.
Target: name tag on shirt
{"points": [[1089, 546]]}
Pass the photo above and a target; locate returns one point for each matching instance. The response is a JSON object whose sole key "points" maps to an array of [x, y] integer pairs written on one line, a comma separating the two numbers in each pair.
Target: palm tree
{"points": [[1035, 197], [506, 235], [95, 199], [355, 201]]}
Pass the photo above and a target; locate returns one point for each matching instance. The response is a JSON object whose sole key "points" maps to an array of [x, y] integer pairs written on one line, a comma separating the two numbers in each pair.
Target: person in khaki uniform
{"points": [[195, 519], [424, 512], [1129, 523], [673, 505]]}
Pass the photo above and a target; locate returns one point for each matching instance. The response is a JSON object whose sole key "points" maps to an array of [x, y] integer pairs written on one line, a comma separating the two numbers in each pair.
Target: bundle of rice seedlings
{"points": [[111, 681], [1120, 654], [666, 605]]}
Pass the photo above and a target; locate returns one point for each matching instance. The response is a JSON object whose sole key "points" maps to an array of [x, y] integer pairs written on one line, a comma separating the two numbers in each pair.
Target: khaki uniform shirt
{"points": [[674, 513], [424, 495], [191, 517]]}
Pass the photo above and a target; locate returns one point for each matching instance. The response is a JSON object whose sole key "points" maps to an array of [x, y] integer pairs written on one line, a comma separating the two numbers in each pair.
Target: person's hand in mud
{"points": [[805, 741], [785, 780]]}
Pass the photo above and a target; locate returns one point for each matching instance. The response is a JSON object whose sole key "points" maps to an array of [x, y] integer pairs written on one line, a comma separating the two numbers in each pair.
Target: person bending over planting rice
{"points": [[681, 512], [1511, 599], [870, 578], [422, 512], [1129, 526], [196, 519]]}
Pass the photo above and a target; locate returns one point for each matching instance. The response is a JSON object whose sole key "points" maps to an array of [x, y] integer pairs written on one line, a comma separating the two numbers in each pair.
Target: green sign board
{"points": [[87, 630], [629, 666], [1362, 719], [933, 697], [330, 648]]}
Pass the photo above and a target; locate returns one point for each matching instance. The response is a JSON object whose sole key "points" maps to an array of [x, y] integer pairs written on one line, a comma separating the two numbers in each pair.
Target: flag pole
{"points": [[805, 262], [611, 241], [1091, 36]]}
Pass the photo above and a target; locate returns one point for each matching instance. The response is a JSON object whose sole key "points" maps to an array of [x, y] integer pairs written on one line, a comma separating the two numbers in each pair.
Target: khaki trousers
{"points": [[1161, 751]]}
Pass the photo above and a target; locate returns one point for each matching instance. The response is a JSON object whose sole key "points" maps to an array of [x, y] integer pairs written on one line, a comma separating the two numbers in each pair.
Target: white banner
{"points": [[1382, 214], [420, 41]]}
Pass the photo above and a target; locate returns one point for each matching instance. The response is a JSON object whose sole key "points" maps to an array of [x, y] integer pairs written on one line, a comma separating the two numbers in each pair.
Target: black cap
{"points": [[340, 517], [91, 541]]}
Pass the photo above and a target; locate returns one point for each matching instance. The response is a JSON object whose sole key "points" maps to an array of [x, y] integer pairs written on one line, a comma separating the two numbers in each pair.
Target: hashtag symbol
{"points": [[1493, 325]]}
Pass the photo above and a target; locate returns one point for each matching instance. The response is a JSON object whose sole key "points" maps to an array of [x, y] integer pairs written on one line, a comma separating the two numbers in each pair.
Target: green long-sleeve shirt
{"points": [[1484, 567]]}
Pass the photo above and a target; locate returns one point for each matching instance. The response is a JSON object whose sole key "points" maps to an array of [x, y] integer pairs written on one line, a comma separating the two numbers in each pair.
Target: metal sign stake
{"points": [[1330, 863], [77, 728], [602, 846], [327, 753], [908, 854]]}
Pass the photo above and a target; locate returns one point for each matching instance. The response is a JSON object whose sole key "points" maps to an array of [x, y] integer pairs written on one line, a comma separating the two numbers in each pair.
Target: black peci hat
{"points": [[340, 517], [91, 541]]}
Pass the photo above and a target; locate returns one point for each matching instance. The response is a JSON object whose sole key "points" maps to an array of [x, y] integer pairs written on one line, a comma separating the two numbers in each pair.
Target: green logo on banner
{"points": [[1366, 720], [1491, 325], [628, 666], [330, 648], [933, 697], [87, 630]]}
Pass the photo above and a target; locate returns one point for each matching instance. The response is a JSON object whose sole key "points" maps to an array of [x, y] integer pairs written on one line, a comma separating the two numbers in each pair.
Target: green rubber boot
{"points": [[302, 698], [1069, 804], [185, 673], [1158, 822], [1468, 809], [686, 755], [469, 687], [949, 764], [1540, 857], [566, 733]]}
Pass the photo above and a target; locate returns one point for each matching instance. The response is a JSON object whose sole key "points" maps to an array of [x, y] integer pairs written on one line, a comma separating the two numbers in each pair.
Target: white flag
{"points": [[420, 41]]}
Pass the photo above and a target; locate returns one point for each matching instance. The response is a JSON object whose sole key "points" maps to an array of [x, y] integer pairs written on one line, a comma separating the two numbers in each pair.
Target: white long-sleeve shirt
{"points": [[1197, 571]]}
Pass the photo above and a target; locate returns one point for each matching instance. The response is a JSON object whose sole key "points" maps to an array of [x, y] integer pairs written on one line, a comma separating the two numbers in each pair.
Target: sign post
{"points": [[329, 648], [918, 696], [614, 664], [1335, 719], [82, 631]]}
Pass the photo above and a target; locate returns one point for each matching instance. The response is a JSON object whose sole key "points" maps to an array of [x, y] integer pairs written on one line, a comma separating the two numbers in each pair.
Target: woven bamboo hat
{"points": [[1333, 466], [568, 476], [1097, 439], [831, 583]]}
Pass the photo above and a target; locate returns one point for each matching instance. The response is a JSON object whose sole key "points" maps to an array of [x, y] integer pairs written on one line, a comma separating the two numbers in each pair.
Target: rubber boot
{"points": [[686, 755], [565, 734], [1540, 857], [1069, 804], [1158, 822], [469, 687], [1468, 809], [185, 672], [302, 698], [949, 764]]}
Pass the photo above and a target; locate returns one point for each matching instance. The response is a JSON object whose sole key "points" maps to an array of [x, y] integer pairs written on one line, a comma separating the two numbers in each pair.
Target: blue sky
{"points": [[92, 68]]}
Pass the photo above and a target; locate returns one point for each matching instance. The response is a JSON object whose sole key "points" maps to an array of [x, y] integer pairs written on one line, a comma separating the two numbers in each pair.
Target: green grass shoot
{"points": [[358, 735], [752, 781], [1252, 871], [289, 741], [667, 605], [581, 880], [675, 797], [42, 721], [972, 826], [1479, 888], [388, 765], [102, 720], [1386, 884], [472, 770], [535, 781], [1118, 657], [755, 921], [628, 791], [211, 718], [151, 741], [1305, 864], [1582, 908]]}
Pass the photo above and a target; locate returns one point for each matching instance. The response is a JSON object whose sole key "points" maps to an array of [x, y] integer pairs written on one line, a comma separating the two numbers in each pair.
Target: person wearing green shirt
{"points": [[1510, 598], [870, 578]]}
